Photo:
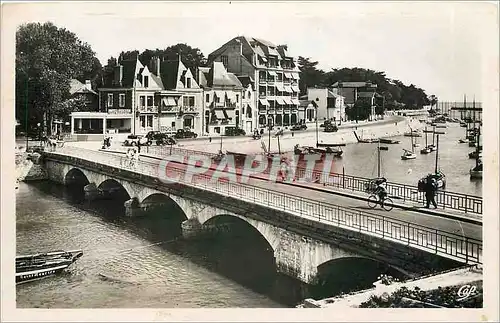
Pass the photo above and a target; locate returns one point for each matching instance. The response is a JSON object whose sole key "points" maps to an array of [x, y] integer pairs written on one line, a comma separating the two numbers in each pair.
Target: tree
{"points": [[47, 58], [310, 76], [192, 57], [360, 110]]}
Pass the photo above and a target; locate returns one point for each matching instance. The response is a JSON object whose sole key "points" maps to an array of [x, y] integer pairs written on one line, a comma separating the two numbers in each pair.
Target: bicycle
{"points": [[386, 203]]}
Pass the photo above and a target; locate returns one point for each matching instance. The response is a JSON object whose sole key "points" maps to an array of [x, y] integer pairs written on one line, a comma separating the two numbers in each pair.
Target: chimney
{"points": [[88, 85], [118, 75], [157, 66]]}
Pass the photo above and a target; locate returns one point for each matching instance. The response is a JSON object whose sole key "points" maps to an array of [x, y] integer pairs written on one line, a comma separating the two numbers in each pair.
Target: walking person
{"points": [[430, 192]]}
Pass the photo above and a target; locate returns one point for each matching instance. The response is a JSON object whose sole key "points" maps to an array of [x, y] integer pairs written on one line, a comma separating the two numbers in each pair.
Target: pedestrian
{"points": [[209, 139], [292, 133], [430, 192], [139, 146]]}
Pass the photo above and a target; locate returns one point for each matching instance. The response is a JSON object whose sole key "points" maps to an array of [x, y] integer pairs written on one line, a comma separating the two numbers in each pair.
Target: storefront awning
{"points": [[295, 88], [288, 75], [288, 89], [264, 102], [229, 114], [219, 114], [220, 94], [231, 96], [280, 87], [295, 101], [288, 101], [280, 101], [273, 73], [168, 102], [295, 76]]}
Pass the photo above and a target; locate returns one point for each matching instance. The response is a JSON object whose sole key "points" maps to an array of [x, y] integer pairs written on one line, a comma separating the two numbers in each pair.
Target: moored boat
{"points": [[414, 133], [408, 155], [37, 266], [477, 171], [388, 141]]}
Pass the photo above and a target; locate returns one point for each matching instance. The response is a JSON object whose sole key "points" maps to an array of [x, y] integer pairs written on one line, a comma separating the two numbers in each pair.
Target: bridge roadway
{"points": [[443, 236], [307, 191]]}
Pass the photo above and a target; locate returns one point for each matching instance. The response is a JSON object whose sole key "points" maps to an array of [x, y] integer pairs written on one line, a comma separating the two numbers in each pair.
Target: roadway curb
{"points": [[476, 221]]}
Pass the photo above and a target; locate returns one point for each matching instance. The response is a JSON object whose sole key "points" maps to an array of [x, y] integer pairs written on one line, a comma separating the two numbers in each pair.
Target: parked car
{"points": [[134, 140], [331, 128], [298, 127], [161, 138], [233, 131], [184, 133]]}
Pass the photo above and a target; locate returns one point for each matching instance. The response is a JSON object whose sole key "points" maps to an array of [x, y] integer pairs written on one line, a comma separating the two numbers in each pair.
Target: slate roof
{"points": [[218, 76], [76, 86], [169, 71]]}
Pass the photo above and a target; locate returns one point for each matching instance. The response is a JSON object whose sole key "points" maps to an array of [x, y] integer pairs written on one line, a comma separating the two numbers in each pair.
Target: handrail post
{"points": [[466, 206], [467, 249]]}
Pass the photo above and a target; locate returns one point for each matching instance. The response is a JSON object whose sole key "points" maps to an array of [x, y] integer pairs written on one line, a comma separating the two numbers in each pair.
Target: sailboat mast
{"points": [[465, 112], [425, 137], [437, 152], [279, 148], [269, 145], [477, 145], [378, 168], [474, 112]]}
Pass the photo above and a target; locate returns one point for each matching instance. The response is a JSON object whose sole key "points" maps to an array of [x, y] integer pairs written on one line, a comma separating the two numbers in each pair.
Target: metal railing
{"points": [[446, 244], [444, 199]]}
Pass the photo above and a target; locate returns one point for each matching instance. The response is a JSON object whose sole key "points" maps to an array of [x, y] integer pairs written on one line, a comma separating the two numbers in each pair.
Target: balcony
{"points": [[150, 109], [170, 109], [189, 109], [119, 111]]}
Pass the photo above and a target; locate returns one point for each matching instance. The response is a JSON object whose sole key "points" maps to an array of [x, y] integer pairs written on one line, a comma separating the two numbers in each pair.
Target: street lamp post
{"points": [[26, 118], [39, 134]]}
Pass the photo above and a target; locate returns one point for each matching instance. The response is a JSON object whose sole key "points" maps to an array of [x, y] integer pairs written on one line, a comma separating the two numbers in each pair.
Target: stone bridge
{"points": [[301, 247]]}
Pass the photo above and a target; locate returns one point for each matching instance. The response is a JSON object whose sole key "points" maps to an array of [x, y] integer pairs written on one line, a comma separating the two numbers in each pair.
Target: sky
{"points": [[440, 47]]}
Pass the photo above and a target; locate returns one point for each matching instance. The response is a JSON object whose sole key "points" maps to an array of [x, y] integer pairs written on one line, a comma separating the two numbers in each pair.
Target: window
{"points": [[237, 98], [121, 100], [150, 101], [249, 94], [150, 121], [224, 60], [110, 100], [146, 81], [142, 120], [188, 101], [207, 98], [188, 82], [217, 99], [143, 100], [173, 124]]}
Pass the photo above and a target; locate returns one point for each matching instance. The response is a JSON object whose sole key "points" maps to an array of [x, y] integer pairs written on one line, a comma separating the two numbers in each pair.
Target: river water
{"points": [[453, 161], [139, 263]]}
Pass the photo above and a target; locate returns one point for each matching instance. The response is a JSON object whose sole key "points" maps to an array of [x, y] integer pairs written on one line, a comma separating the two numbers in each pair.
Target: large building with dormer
{"points": [[272, 70], [136, 99], [222, 92]]}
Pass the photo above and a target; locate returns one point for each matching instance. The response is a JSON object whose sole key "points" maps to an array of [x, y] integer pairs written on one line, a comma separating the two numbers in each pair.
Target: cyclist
{"points": [[380, 190]]}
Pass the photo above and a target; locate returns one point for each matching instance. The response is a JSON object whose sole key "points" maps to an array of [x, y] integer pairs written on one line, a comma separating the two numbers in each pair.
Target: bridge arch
{"points": [[158, 200], [76, 176], [114, 188], [268, 232], [348, 273]]}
